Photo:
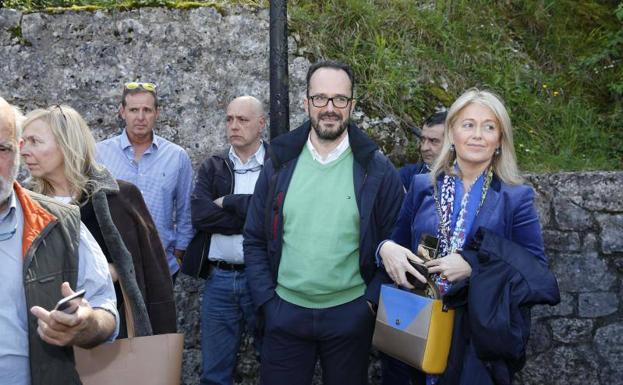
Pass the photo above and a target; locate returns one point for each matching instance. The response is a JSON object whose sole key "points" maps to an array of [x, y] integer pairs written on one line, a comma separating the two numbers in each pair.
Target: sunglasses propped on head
{"points": [[151, 87]]}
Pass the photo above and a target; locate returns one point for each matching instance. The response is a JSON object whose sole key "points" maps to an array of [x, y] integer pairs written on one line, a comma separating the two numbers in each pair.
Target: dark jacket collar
{"points": [[289, 146]]}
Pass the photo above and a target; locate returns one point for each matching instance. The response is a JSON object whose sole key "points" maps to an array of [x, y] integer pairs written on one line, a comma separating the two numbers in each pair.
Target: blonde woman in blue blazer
{"points": [[475, 183]]}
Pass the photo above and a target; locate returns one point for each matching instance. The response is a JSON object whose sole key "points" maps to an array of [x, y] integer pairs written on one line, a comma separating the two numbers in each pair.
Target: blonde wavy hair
{"points": [[76, 142], [504, 163]]}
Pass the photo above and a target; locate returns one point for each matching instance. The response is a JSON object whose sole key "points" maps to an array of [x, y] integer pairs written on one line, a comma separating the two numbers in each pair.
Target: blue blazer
{"points": [[508, 210], [409, 170]]}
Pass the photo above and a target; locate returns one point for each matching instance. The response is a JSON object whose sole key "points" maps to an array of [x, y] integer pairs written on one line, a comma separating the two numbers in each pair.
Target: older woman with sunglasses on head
{"points": [[474, 184], [59, 152]]}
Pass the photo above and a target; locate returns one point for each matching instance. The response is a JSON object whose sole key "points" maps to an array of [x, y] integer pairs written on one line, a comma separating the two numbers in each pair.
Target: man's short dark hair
{"points": [[436, 118], [138, 90], [336, 66]]}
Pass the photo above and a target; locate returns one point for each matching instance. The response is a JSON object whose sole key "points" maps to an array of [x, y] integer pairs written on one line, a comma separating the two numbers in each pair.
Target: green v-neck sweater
{"points": [[319, 265]]}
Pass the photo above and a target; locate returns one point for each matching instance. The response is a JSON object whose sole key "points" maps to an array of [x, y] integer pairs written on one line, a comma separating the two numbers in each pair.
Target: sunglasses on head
{"points": [[151, 87]]}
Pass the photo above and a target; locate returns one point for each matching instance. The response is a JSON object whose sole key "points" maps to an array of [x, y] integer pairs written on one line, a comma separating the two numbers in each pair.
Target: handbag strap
{"points": [[129, 316]]}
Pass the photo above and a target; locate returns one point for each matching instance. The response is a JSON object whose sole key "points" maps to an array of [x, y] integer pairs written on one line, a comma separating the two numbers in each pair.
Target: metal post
{"points": [[278, 66]]}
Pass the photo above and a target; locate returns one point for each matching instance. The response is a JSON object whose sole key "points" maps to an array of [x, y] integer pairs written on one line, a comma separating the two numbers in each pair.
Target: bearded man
{"points": [[324, 201]]}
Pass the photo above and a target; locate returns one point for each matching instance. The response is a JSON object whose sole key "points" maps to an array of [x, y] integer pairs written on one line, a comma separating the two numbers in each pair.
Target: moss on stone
{"points": [[16, 32]]}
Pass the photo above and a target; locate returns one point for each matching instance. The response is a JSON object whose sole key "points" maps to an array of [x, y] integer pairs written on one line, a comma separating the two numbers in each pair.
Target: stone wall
{"points": [[579, 341], [202, 58]]}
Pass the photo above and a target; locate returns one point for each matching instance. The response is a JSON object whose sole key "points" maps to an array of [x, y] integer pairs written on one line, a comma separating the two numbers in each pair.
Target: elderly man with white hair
{"points": [[46, 253]]}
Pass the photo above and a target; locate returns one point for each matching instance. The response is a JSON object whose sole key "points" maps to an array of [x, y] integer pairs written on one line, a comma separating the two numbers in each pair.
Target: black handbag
{"points": [[195, 262]]}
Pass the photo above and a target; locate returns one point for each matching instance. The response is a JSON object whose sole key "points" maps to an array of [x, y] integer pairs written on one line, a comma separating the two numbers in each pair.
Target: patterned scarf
{"points": [[451, 241]]}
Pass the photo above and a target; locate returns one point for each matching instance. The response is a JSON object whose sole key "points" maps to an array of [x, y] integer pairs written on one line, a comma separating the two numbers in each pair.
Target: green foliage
{"points": [[16, 32], [606, 61], [556, 63]]}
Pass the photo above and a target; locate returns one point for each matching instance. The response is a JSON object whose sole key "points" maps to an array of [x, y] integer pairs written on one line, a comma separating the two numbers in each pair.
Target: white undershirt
{"points": [[333, 155]]}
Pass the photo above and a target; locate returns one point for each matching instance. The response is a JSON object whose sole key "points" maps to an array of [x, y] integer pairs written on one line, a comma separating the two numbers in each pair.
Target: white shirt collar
{"points": [[125, 140], [8, 218], [256, 158], [10, 208], [333, 155]]}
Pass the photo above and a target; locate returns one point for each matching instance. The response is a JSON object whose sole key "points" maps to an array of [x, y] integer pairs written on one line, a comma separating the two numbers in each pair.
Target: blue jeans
{"points": [[226, 310]]}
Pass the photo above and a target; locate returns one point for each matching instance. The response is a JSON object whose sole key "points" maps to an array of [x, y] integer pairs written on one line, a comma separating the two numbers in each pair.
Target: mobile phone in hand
{"points": [[429, 246], [416, 283], [69, 304]]}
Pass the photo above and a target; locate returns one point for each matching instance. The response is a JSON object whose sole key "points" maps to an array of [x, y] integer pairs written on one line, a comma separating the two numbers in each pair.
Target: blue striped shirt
{"points": [[164, 176]]}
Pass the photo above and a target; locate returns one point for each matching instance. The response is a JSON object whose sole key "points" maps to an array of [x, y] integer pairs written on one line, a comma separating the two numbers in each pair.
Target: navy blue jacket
{"points": [[501, 287], [492, 319], [378, 191], [215, 179], [409, 170], [508, 210]]}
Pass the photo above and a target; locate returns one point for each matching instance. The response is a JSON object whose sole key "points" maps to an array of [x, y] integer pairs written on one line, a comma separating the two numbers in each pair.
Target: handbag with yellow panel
{"points": [[414, 327]]}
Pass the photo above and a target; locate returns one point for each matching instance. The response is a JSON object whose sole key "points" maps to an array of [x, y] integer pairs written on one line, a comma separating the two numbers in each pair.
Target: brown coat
{"points": [[133, 231]]}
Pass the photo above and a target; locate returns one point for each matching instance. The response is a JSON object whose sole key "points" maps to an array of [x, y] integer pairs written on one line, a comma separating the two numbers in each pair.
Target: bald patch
{"points": [[256, 106]]}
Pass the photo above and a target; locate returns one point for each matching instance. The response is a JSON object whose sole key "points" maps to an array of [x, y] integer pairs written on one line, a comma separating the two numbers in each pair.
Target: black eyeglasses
{"points": [[339, 101], [246, 170]]}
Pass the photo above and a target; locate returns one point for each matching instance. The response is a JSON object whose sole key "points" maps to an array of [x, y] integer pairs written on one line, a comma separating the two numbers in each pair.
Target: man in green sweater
{"points": [[324, 201]]}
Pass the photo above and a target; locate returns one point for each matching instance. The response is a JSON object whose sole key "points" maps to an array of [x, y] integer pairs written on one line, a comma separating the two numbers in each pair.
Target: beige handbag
{"points": [[153, 360], [416, 329]]}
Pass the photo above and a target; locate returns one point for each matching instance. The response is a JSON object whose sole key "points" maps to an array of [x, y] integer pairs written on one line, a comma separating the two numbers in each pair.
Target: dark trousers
{"points": [[395, 372], [294, 337]]}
